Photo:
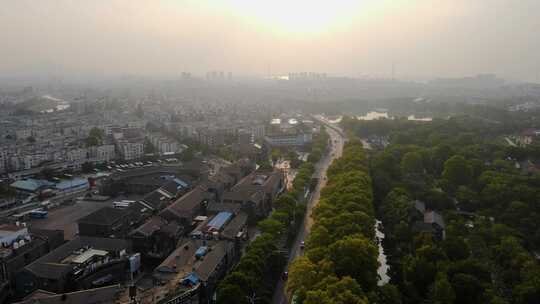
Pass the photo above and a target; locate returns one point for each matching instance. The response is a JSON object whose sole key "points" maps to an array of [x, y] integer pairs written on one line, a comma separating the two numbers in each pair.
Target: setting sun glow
{"points": [[299, 16]]}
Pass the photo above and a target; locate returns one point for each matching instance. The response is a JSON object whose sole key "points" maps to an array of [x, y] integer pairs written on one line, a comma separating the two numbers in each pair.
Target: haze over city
{"points": [[365, 38], [269, 151]]}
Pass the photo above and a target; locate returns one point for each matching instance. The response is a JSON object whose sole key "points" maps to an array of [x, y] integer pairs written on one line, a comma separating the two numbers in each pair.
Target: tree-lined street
{"points": [[335, 151]]}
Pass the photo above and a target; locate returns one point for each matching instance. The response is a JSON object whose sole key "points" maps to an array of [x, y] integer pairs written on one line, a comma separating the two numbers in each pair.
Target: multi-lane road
{"points": [[336, 149]]}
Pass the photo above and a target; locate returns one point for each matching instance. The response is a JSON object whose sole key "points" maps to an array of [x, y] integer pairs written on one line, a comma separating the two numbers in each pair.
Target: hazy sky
{"points": [[362, 37]]}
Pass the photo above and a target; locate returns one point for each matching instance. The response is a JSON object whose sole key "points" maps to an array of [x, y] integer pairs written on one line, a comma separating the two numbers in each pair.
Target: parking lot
{"points": [[65, 217]]}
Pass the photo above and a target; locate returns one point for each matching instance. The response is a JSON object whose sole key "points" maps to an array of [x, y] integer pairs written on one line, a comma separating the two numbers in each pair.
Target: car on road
{"points": [[302, 245], [285, 276]]}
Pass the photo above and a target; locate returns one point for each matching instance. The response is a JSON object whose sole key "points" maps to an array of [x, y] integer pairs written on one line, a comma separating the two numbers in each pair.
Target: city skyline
{"points": [[407, 39]]}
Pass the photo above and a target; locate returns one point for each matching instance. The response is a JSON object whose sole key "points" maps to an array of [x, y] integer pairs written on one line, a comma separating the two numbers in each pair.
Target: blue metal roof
{"points": [[31, 184], [191, 279], [219, 220], [180, 182], [67, 184], [201, 251]]}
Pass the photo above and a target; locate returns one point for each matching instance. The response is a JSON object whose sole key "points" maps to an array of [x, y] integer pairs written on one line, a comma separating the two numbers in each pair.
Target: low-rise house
{"points": [[83, 263], [252, 202], [101, 295], [252, 151], [219, 183], [147, 179], [232, 174], [21, 247], [236, 229], [176, 187], [156, 200], [155, 239], [191, 272], [256, 192], [432, 223], [213, 226], [106, 222], [216, 208], [187, 207], [437, 223], [417, 212]]}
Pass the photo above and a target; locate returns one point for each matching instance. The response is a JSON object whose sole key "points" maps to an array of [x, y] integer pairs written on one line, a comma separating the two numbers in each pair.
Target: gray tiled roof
{"points": [[103, 295], [433, 217], [105, 216], [50, 266], [188, 202], [212, 259], [235, 226]]}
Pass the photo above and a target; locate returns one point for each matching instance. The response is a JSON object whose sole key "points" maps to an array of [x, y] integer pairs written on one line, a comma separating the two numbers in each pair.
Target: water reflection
{"points": [[383, 266]]}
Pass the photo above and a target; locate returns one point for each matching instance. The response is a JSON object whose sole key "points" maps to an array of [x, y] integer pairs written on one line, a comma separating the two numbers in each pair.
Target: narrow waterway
{"points": [[383, 268]]}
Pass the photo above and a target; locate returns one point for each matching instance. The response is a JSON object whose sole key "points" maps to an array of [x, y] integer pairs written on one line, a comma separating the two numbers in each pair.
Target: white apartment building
{"points": [[139, 124], [258, 131], [103, 153], [107, 129], [130, 150], [288, 139], [169, 146], [163, 144], [41, 132], [78, 155], [23, 133], [28, 161], [211, 138], [183, 129], [74, 130], [3, 161]]}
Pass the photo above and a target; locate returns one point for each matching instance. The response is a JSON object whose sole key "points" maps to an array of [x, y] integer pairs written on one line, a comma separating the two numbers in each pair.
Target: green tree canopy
{"points": [[356, 256], [457, 171], [271, 226], [442, 291], [95, 137]]}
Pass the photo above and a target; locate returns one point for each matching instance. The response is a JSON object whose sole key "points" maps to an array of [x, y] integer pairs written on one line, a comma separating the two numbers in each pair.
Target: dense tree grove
{"points": [[253, 279], [462, 168], [340, 262], [95, 137]]}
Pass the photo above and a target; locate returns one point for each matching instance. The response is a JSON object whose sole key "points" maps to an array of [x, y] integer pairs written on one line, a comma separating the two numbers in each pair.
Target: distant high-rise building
{"points": [[307, 76]]}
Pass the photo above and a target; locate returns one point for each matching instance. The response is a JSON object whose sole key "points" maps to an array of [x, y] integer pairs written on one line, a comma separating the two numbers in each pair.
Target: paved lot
{"points": [[65, 217]]}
